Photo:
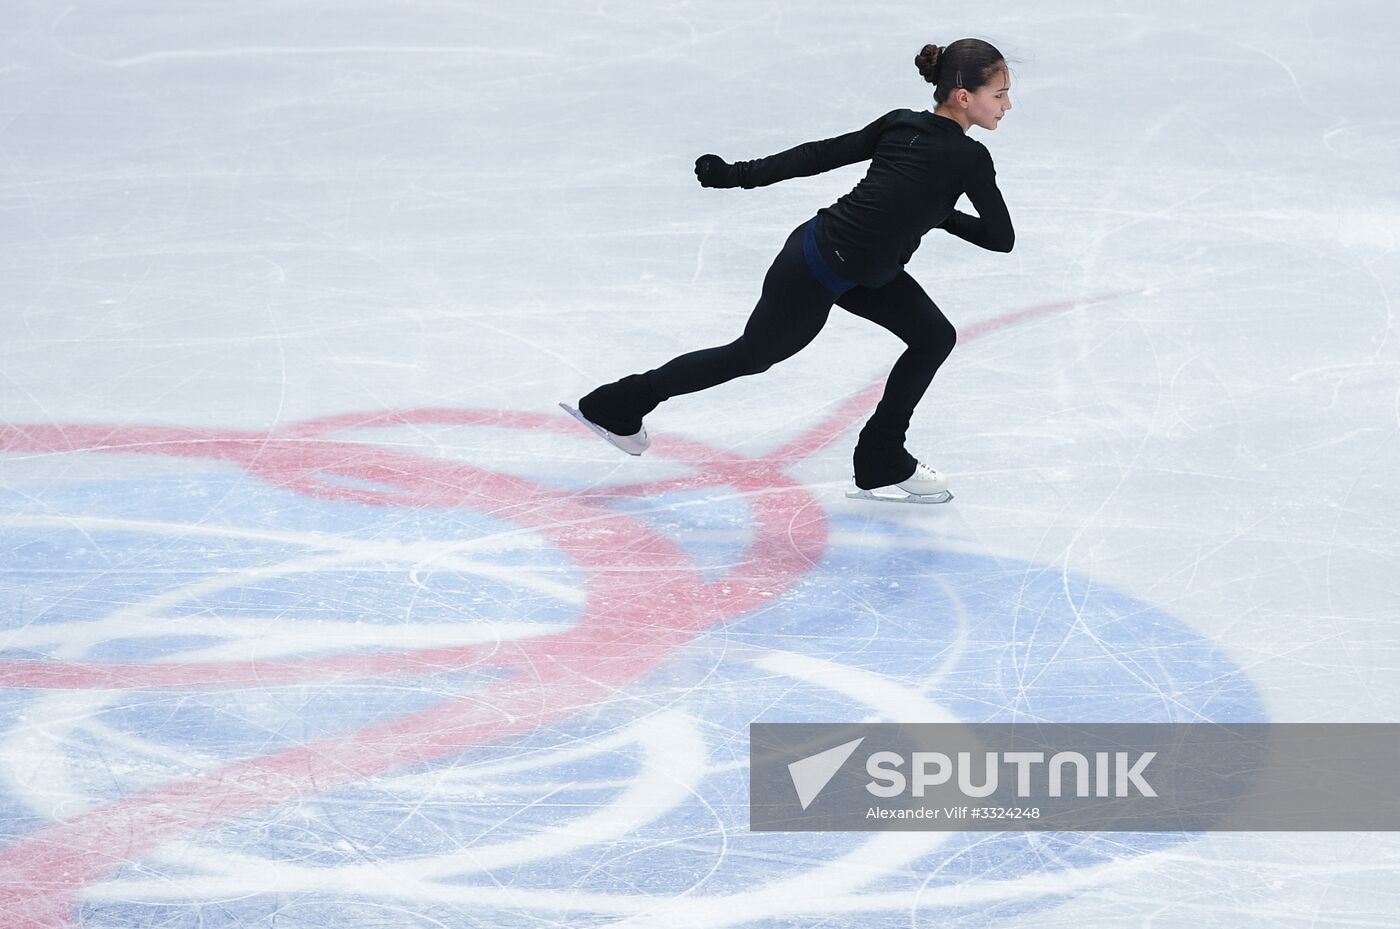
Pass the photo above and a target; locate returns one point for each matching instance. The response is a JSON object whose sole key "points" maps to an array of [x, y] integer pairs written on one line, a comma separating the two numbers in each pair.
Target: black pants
{"points": [[791, 310]]}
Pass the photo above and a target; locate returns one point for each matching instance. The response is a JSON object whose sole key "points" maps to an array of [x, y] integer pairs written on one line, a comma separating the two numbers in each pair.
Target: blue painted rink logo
{"points": [[632, 812]]}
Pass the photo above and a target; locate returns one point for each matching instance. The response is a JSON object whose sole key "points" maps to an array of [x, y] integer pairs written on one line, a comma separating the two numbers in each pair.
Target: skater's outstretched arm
{"points": [[991, 227], [801, 161]]}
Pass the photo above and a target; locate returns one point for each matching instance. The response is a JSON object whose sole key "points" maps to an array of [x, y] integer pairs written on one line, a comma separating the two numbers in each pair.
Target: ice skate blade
{"points": [[895, 495], [626, 443]]}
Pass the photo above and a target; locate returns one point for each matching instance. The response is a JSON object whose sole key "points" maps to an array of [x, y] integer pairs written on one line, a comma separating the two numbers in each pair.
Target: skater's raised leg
{"points": [[792, 308]]}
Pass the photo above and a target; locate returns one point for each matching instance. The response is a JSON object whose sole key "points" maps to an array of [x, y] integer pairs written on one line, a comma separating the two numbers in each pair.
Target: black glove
{"points": [[714, 171]]}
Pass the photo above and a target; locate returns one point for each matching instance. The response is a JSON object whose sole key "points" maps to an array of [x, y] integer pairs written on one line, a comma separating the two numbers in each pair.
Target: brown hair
{"points": [[967, 63]]}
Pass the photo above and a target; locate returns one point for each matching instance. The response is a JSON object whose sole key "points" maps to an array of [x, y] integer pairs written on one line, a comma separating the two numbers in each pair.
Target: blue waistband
{"points": [[820, 269]]}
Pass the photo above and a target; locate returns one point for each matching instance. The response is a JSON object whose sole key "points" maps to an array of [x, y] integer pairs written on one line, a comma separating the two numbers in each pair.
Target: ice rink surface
{"points": [[318, 612]]}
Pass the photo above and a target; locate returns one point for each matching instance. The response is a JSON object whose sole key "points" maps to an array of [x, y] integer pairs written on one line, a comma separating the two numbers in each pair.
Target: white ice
{"points": [[465, 665]]}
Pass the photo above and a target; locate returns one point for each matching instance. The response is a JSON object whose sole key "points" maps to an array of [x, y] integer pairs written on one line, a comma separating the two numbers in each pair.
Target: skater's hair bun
{"points": [[967, 63], [927, 62]]}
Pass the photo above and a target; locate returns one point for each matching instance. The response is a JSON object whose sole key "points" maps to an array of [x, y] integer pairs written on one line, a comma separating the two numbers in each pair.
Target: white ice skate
{"points": [[633, 444], [925, 485]]}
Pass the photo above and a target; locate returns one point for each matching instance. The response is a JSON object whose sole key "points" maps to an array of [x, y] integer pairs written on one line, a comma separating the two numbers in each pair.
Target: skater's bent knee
{"points": [[748, 361], [937, 337]]}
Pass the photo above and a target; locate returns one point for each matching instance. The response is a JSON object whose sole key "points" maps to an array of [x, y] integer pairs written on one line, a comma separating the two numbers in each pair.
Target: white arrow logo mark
{"points": [[811, 774]]}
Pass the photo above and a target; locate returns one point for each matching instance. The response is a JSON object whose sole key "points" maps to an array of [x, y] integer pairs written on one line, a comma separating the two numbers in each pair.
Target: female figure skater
{"points": [[852, 254]]}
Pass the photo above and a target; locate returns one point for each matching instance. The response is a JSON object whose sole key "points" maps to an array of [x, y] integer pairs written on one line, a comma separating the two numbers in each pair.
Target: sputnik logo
{"points": [[810, 775]]}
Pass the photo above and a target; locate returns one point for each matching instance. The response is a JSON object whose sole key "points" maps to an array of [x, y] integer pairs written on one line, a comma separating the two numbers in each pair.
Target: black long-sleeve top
{"points": [[920, 164]]}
